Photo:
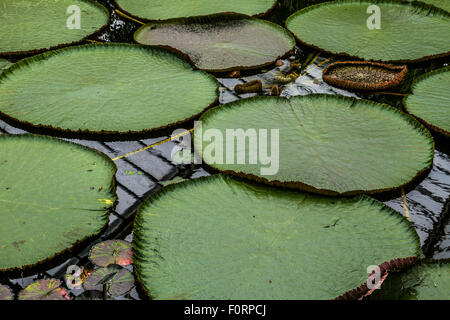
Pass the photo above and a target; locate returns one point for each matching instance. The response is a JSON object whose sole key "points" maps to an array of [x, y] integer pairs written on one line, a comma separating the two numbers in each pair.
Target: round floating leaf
{"points": [[430, 100], [45, 289], [5, 293], [319, 143], [53, 195], [221, 42], [427, 280], [111, 252], [261, 242], [364, 75], [408, 32], [107, 89], [4, 64], [36, 25], [117, 281], [443, 4], [168, 9]]}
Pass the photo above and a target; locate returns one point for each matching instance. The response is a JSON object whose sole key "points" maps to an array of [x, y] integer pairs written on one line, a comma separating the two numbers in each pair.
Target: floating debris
{"points": [[364, 75], [249, 87], [275, 90], [235, 74]]}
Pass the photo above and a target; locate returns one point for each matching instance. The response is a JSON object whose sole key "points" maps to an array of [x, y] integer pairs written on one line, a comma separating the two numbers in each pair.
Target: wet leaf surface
{"points": [[111, 252], [45, 289]]}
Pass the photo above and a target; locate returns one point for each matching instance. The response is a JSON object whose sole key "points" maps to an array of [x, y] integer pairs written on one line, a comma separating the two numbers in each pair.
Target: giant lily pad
{"points": [[327, 144], [261, 242], [4, 64], [29, 26], [408, 32], [53, 194], [430, 100], [221, 42], [168, 9], [107, 90], [45, 289], [442, 4], [427, 280]]}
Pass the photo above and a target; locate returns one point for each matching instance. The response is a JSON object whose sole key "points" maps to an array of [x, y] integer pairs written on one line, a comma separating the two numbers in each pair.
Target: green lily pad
{"points": [[118, 281], [4, 64], [30, 26], [427, 280], [104, 90], [326, 144], [111, 252], [430, 100], [221, 42], [5, 293], [442, 4], [47, 201], [45, 289], [168, 9], [408, 32], [261, 242]]}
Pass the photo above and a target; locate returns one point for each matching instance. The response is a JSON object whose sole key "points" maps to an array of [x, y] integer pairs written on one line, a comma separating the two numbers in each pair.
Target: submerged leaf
{"points": [[104, 90], [407, 32], [168, 9], [111, 252], [29, 26], [45, 289], [430, 100], [261, 242], [47, 204], [319, 143], [221, 42]]}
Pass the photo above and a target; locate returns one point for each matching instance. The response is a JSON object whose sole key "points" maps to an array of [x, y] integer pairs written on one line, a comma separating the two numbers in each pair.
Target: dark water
{"points": [[143, 173]]}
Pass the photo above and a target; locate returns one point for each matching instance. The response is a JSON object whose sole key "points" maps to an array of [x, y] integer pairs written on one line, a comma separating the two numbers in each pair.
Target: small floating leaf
{"points": [[364, 75], [47, 205], [88, 87], [426, 280], [5, 293], [116, 280], [222, 42], [111, 252], [325, 144], [29, 26], [45, 289], [261, 242], [430, 100], [168, 9], [408, 32]]}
